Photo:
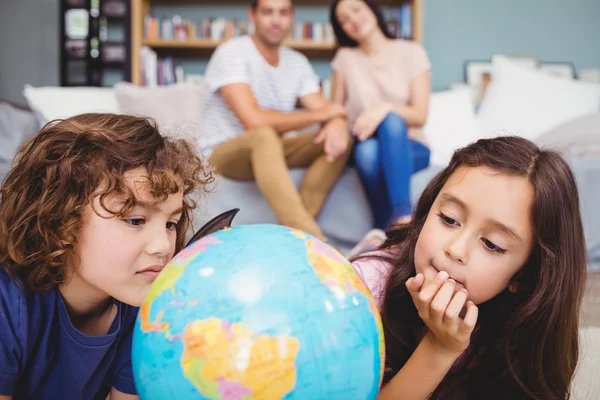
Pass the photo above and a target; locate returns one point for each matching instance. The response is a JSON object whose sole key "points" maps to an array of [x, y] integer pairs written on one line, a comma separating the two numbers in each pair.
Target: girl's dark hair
{"points": [[526, 344], [344, 40], [68, 163]]}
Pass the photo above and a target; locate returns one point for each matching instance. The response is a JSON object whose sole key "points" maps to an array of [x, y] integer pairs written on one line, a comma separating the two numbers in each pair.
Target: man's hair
{"points": [[254, 3], [64, 167]]}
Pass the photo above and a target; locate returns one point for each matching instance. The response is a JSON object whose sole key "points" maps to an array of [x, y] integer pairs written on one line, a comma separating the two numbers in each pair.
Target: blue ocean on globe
{"points": [[258, 312]]}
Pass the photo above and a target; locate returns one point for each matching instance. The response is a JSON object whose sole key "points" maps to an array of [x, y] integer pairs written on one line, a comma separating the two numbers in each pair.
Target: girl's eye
{"points": [[447, 220], [491, 246], [171, 226], [135, 221]]}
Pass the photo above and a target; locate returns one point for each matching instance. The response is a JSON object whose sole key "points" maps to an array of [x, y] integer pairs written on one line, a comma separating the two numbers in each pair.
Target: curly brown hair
{"points": [[68, 163]]}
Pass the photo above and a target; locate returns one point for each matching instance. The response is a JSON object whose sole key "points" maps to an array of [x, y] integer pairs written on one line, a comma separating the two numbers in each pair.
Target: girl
{"points": [[384, 84], [92, 210], [480, 292]]}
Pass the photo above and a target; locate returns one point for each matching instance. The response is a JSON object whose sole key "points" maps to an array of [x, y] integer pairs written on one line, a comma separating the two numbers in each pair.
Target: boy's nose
{"points": [[160, 243]]}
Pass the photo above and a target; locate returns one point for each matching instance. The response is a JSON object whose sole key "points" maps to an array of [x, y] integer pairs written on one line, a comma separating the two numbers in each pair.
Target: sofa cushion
{"points": [[527, 102], [450, 125], [579, 137], [49, 103], [16, 127], [176, 108], [345, 217]]}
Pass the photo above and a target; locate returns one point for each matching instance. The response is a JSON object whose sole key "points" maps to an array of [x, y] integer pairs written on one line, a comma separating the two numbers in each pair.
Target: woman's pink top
{"points": [[388, 79]]}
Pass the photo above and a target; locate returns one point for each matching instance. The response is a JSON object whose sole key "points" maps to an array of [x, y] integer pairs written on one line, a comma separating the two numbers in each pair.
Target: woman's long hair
{"points": [[526, 344], [342, 38]]}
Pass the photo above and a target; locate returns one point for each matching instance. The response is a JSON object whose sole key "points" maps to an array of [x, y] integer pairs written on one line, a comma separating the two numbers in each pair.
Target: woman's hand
{"points": [[440, 307], [368, 121]]}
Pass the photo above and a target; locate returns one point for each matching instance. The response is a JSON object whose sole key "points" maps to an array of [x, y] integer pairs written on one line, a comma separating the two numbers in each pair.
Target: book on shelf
{"points": [[157, 71], [218, 29]]}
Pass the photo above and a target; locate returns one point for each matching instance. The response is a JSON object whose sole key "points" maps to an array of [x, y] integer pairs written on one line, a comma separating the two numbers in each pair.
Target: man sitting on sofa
{"points": [[252, 87]]}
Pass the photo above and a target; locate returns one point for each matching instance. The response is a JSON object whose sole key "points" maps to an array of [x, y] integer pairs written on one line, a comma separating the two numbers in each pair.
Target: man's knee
{"points": [[264, 137]]}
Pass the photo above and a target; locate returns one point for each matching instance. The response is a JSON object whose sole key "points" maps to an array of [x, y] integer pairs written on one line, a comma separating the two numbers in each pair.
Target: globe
{"points": [[258, 312]]}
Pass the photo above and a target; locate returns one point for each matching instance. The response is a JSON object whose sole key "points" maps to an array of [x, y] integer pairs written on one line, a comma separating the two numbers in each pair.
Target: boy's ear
{"points": [[219, 222]]}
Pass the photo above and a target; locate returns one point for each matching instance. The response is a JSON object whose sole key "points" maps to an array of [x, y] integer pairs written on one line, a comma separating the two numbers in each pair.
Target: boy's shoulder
{"points": [[22, 307], [10, 287], [36, 331]]}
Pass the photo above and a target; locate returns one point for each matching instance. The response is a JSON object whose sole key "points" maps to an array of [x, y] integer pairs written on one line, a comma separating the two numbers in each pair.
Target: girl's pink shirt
{"points": [[374, 273]]}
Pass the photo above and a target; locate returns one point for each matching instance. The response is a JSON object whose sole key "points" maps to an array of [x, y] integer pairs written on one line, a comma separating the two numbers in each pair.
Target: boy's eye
{"points": [[171, 226], [492, 246], [135, 221], [447, 220]]}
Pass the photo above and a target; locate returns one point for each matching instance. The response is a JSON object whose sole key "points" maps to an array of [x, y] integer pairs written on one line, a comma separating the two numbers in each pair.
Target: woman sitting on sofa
{"points": [[385, 85]]}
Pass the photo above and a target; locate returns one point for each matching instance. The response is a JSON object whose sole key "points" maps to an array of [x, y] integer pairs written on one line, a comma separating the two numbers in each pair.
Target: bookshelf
{"points": [[202, 47], [299, 45], [95, 43]]}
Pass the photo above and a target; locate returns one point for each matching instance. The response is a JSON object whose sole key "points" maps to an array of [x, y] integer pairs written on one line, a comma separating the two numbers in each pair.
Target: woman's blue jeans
{"points": [[385, 163]]}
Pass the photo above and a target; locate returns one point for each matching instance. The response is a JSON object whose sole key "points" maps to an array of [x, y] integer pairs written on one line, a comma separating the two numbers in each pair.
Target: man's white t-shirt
{"points": [[275, 88]]}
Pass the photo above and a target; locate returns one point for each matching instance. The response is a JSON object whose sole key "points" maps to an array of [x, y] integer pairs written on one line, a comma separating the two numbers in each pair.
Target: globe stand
{"points": [[218, 223]]}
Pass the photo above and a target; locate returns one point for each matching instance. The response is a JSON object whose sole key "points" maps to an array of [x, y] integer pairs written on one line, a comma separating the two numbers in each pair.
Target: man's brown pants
{"points": [[264, 156]]}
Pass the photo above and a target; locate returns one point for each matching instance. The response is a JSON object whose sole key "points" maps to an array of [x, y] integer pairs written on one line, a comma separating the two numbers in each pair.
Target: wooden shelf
{"points": [[203, 47], [246, 3], [211, 44]]}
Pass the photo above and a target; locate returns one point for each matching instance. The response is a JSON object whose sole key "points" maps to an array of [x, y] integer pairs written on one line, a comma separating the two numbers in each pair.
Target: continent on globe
{"points": [[228, 361], [166, 281]]}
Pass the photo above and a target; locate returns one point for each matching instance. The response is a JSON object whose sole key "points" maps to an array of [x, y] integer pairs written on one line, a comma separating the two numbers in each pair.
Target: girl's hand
{"points": [[368, 121], [439, 307]]}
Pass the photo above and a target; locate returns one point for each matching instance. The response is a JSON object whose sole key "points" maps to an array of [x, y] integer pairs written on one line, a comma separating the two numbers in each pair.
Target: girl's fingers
{"points": [[427, 294], [468, 323], [414, 285], [441, 300], [455, 307], [423, 298]]}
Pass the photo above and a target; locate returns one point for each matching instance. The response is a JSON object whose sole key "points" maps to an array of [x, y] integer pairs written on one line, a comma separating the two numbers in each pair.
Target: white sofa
{"points": [[519, 101], [344, 219]]}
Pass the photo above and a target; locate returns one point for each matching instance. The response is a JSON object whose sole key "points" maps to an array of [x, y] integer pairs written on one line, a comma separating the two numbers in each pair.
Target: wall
{"points": [[29, 40], [552, 30]]}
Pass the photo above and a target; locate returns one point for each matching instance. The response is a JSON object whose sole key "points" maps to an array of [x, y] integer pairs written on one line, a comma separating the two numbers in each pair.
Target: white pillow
{"points": [[450, 124], [525, 102], [176, 108], [52, 102]]}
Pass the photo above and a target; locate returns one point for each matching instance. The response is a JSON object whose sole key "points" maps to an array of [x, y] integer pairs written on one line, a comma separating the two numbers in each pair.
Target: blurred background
{"points": [[35, 35]]}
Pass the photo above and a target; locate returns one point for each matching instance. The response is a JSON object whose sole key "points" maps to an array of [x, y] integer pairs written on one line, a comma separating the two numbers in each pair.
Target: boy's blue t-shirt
{"points": [[42, 355]]}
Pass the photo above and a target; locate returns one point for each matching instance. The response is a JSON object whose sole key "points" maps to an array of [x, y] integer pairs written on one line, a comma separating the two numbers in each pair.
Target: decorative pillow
{"points": [[16, 127], [176, 108], [578, 138], [450, 124], [50, 102], [525, 102]]}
